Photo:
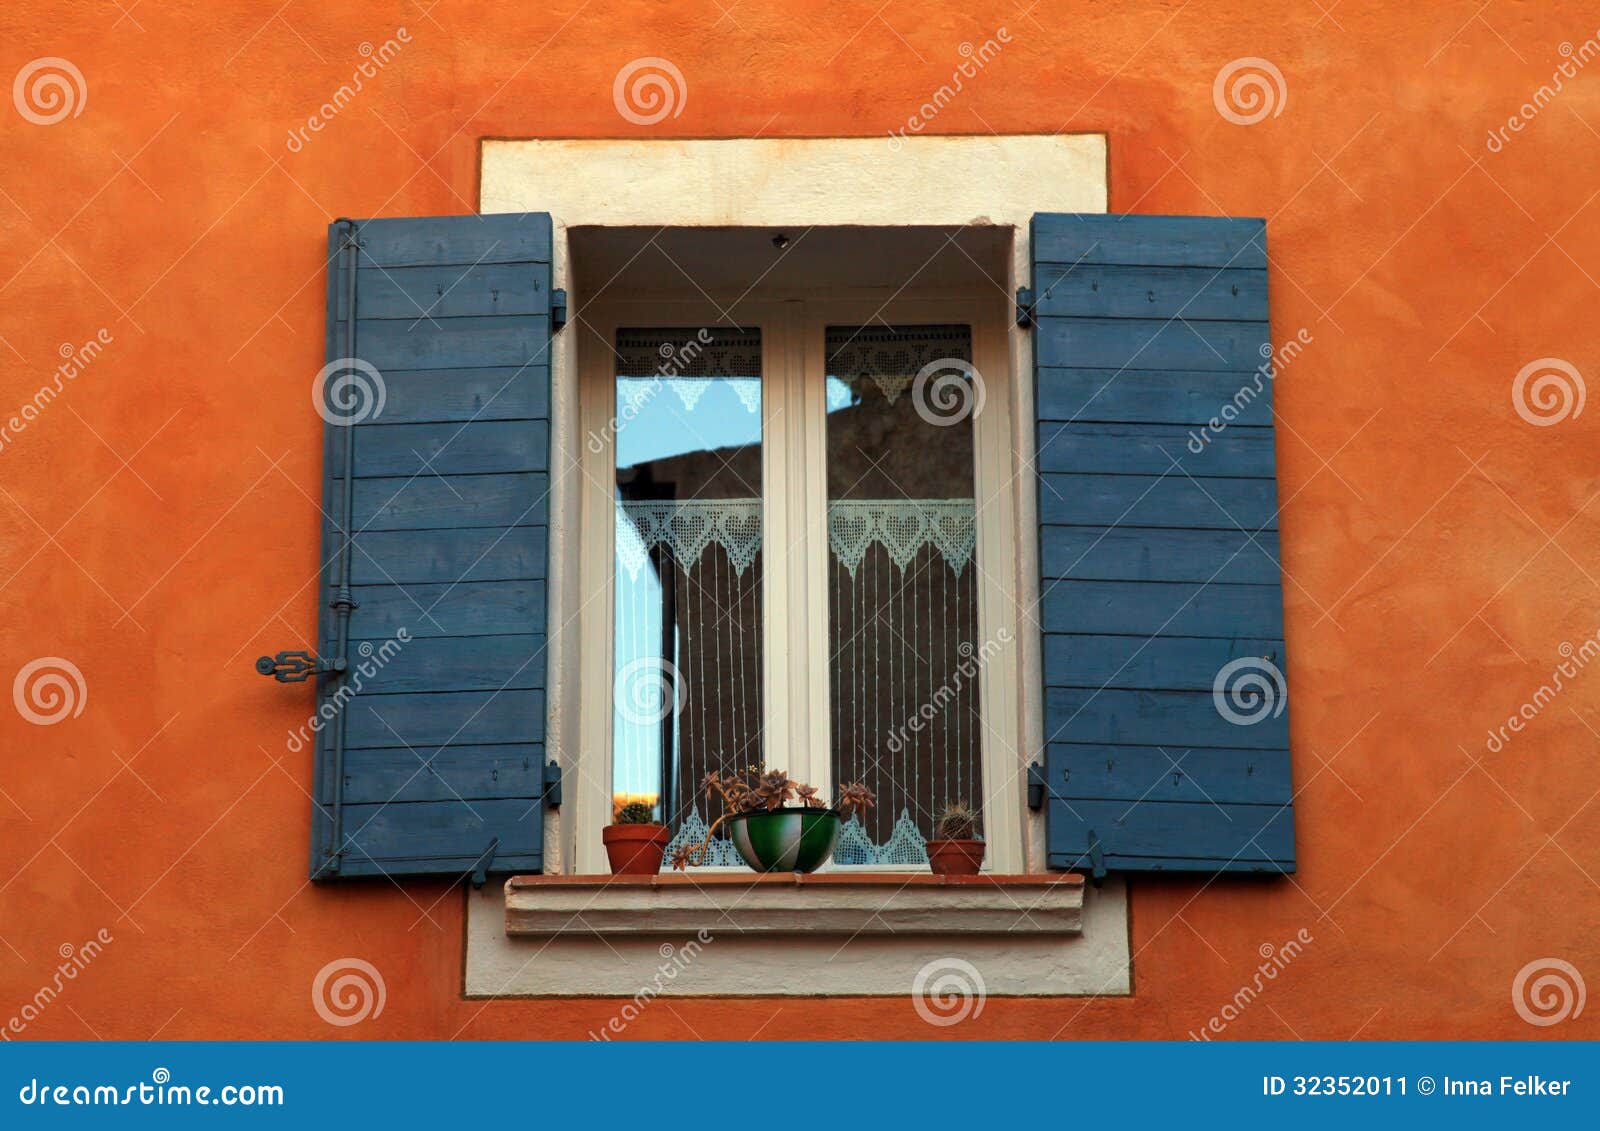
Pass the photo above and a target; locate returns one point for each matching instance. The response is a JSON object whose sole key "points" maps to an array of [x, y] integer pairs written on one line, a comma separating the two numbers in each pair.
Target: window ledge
{"points": [[769, 905]]}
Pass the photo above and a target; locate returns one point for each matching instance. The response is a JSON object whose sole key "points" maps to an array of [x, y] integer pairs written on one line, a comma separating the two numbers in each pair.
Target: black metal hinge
{"points": [[1036, 786], [552, 784], [480, 870], [558, 309], [1025, 306], [296, 667], [1097, 859]]}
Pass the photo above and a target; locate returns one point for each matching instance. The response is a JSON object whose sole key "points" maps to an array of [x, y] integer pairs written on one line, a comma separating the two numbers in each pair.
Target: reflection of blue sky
{"points": [[663, 426]]}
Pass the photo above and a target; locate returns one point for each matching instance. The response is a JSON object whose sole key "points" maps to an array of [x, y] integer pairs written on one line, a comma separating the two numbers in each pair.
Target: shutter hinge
{"points": [[1025, 306], [480, 870], [558, 309], [1097, 859], [1036, 786], [296, 667], [552, 784]]}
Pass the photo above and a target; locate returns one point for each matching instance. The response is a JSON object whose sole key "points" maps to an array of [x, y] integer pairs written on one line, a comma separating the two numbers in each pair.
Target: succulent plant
{"points": [[758, 789], [958, 820], [636, 813]]}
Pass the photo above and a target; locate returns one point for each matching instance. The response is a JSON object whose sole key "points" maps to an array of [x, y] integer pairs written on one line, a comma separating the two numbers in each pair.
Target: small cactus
{"points": [[637, 813], [958, 821]]}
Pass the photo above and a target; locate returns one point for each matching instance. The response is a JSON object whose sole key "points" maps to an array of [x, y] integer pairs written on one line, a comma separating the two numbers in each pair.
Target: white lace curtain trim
{"points": [[636, 392], [902, 527]]}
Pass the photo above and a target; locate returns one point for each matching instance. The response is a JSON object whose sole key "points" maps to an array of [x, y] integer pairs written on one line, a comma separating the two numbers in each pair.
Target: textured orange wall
{"points": [[157, 524]]}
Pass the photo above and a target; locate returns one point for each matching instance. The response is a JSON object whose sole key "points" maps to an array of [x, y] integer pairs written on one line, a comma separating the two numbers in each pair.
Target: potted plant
{"points": [[635, 844], [957, 850], [770, 834]]}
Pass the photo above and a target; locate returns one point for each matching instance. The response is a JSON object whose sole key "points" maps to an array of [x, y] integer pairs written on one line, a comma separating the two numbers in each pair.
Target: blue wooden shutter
{"points": [[1158, 545], [433, 761]]}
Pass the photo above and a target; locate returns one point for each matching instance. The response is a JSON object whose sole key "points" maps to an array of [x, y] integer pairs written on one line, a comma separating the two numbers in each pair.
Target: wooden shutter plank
{"points": [[432, 718], [1150, 241], [418, 503], [446, 773], [1173, 663], [1096, 290], [470, 608], [418, 293], [1189, 397], [1157, 449], [450, 448], [1151, 343], [469, 241], [451, 343], [1108, 553], [1175, 500], [1157, 773], [1159, 563], [437, 836], [1163, 608], [455, 663], [451, 555], [488, 393]]}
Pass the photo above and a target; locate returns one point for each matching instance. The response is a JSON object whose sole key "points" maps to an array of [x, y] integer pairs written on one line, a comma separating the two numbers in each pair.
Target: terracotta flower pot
{"points": [[635, 850], [955, 857]]}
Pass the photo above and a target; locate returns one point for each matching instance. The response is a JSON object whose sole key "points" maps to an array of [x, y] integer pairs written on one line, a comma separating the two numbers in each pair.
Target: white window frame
{"points": [[795, 614]]}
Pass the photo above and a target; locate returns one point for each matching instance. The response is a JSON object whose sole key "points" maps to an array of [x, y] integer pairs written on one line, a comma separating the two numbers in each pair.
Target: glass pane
{"points": [[902, 594], [687, 690]]}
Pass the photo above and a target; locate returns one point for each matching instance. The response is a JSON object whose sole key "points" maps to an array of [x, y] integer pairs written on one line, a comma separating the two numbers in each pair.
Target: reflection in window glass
{"points": [[687, 690], [903, 674]]}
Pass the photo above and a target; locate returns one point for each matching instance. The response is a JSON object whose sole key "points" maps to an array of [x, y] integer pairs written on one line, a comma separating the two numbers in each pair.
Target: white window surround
{"points": [[787, 184]]}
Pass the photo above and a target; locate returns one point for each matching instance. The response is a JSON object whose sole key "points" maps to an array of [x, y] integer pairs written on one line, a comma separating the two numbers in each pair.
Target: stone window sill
{"points": [[875, 903]]}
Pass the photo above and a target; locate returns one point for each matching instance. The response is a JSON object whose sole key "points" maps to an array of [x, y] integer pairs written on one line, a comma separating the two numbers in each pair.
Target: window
{"points": [[785, 535]]}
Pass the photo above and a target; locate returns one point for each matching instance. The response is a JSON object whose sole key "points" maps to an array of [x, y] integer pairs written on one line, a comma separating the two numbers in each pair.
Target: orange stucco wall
{"points": [[157, 525]]}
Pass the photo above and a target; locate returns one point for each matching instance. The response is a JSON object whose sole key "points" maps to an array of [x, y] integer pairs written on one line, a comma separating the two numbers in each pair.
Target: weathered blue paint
{"points": [[1159, 552], [442, 748]]}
